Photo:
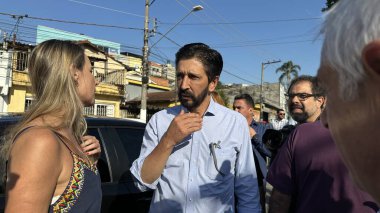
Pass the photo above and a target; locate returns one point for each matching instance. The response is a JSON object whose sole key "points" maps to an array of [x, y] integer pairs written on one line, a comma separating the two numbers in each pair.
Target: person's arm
{"points": [[154, 155], [33, 169], [246, 185], [256, 141], [279, 202]]}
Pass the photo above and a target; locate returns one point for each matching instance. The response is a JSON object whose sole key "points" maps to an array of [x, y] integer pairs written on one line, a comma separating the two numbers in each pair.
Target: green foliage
{"points": [[329, 4], [288, 71]]}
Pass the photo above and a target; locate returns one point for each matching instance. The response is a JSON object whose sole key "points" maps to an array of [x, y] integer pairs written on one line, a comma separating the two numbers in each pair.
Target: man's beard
{"points": [[195, 101], [300, 117]]}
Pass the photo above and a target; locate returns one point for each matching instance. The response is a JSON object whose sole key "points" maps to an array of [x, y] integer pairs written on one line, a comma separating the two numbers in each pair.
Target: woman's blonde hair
{"points": [[51, 67], [217, 98]]}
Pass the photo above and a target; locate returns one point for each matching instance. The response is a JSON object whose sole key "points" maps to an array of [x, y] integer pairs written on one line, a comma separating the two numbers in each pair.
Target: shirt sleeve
{"points": [[257, 140], [150, 141], [280, 174], [246, 187], [260, 147]]}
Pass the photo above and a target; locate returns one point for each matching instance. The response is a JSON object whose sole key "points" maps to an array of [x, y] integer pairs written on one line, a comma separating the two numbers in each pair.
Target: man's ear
{"points": [[322, 100], [371, 58], [213, 83], [250, 110]]}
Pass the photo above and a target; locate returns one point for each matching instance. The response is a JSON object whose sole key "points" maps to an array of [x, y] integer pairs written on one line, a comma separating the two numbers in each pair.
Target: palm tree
{"points": [[288, 69]]}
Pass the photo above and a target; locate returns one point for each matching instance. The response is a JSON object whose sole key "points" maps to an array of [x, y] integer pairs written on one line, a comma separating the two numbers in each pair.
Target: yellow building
{"points": [[109, 93]]}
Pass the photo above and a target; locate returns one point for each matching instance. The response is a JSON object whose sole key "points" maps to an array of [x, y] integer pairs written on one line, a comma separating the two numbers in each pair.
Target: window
{"points": [[28, 103], [103, 163], [131, 139], [21, 61], [100, 110]]}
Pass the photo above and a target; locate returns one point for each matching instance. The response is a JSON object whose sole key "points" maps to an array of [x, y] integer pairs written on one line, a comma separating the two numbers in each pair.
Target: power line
{"points": [[73, 22], [265, 44], [106, 8], [249, 22]]}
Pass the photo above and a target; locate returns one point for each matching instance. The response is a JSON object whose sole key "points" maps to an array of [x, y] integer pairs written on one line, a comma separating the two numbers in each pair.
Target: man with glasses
{"points": [[197, 157], [280, 121], [305, 99], [308, 174]]}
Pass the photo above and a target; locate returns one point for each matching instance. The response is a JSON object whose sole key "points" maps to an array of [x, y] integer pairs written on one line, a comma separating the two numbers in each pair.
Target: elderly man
{"points": [[350, 71], [198, 156]]}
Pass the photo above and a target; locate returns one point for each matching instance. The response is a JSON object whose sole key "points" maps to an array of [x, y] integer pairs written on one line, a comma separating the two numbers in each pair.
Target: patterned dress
{"points": [[83, 192]]}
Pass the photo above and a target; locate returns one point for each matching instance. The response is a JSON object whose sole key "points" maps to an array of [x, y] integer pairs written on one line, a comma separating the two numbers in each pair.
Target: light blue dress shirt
{"points": [[192, 181]]}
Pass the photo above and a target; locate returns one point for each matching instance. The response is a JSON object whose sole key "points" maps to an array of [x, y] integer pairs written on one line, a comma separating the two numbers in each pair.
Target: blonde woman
{"points": [[48, 168]]}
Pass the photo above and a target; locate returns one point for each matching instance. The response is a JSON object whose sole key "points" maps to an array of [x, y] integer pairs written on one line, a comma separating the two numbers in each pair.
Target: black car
{"points": [[120, 141]]}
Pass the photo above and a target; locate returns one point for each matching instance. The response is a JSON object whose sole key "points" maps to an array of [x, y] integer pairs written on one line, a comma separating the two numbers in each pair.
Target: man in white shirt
{"points": [[280, 121]]}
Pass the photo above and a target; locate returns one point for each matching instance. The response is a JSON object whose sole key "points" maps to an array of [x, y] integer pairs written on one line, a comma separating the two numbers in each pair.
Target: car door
{"points": [[121, 145]]}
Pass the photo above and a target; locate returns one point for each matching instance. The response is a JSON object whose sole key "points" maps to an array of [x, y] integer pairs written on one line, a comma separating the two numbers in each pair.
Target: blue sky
{"points": [[246, 32]]}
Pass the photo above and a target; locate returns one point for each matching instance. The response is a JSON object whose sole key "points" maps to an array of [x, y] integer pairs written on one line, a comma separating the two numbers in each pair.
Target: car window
{"points": [[103, 162], [131, 139]]}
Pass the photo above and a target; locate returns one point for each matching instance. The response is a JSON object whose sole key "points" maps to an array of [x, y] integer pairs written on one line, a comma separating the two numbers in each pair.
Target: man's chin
{"points": [[187, 104]]}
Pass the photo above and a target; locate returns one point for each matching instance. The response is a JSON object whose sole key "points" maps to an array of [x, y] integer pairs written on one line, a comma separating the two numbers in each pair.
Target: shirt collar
{"points": [[254, 123]]}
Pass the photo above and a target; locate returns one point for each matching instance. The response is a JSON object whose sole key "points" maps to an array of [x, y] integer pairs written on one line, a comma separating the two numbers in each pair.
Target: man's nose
{"points": [[184, 83], [294, 99]]}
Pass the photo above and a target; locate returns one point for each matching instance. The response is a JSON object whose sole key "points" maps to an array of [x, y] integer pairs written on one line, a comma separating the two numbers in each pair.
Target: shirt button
{"points": [[190, 199], [191, 180]]}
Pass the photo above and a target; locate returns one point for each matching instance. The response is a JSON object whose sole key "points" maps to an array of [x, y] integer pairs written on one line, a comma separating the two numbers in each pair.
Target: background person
{"points": [[47, 155], [280, 120], [197, 156], [243, 104], [305, 99], [351, 75], [308, 174]]}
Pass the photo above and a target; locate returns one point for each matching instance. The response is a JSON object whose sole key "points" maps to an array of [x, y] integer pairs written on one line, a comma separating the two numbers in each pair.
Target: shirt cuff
{"points": [[136, 172]]}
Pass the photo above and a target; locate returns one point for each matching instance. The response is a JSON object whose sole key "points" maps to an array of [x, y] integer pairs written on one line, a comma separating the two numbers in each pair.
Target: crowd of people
{"points": [[201, 156]]}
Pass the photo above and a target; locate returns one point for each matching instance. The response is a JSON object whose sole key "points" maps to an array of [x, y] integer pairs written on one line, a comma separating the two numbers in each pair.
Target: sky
{"points": [[246, 32]]}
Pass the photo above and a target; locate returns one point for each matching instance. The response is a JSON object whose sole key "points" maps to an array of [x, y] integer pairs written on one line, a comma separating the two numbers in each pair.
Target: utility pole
{"points": [[261, 86], [145, 71], [145, 74]]}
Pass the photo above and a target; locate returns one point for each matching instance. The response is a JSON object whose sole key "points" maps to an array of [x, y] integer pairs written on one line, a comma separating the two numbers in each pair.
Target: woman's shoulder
{"points": [[38, 141]]}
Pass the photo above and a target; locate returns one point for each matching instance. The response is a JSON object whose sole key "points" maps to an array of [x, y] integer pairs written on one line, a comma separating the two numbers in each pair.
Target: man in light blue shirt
{"points": [[198, 156]]}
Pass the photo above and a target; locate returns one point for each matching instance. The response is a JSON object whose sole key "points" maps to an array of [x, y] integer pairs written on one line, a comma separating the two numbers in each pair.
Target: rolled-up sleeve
{"points": [[246, 186], [150, 141]]}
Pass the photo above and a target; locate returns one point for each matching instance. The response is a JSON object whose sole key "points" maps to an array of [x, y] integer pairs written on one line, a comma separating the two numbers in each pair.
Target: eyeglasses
{"points": [[300, 96], [281, 113]]}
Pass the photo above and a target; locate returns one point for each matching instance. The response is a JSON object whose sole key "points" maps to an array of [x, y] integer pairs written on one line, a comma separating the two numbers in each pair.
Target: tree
{"points": [[289, 71], [329, 4]]}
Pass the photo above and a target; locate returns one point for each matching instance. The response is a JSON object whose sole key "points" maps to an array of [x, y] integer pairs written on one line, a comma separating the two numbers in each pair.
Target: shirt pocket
{"points": [[220, 165]]}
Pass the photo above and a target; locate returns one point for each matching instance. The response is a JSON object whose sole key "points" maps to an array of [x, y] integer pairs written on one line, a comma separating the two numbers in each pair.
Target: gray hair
{"points": [[348, 27]]}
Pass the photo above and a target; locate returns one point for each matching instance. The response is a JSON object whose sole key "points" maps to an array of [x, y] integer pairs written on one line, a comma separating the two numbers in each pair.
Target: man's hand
{"points": [[252, 132], [91, 146], [181, 126]]}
